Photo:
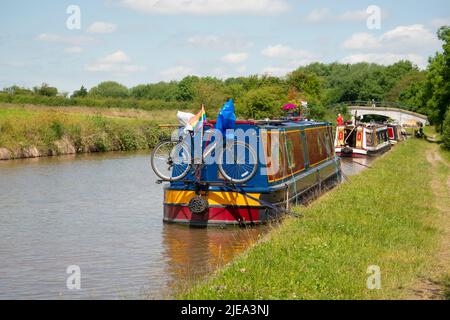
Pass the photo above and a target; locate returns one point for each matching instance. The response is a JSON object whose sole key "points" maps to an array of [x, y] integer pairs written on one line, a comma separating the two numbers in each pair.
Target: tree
{"points": [[446, 132], [305, 83], [80, 93], [185, 88], [18, 90], [437, 85], [109, 89], [209, 92], [265, 102], [156, 91], [46, 90]]}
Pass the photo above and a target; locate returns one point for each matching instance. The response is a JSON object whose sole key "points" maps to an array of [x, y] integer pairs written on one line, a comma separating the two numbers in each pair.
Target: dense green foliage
{"points": [[82, 93], [436, 91], [446, 132]]}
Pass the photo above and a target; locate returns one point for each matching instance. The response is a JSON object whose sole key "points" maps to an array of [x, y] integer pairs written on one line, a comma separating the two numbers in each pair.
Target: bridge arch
{"points": [[402, 116]]}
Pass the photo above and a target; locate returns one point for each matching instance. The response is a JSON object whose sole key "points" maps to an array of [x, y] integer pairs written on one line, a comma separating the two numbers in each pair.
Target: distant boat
{"points": [[361, 140], [394, 133]]}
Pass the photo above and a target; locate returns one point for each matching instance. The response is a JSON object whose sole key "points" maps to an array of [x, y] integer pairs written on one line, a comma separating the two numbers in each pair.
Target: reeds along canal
{"points": [[103, 213]]}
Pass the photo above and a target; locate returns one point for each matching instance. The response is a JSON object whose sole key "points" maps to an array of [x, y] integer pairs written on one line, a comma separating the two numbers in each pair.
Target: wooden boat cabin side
{"points": [[306, 163], [361, 140]]}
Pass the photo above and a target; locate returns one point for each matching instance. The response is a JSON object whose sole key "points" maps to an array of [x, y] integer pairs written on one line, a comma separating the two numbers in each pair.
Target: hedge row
{"points": [[95, 102]]}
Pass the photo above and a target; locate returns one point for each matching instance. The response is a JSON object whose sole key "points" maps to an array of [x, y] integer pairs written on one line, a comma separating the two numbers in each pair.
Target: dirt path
{"points": [[432, 286]]}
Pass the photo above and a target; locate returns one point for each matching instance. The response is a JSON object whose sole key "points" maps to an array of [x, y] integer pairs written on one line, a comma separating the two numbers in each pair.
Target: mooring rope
{"points": [[362, 164], [264, 203]]}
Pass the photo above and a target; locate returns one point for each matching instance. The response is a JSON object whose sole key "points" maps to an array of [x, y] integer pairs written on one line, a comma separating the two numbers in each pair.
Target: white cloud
{"points": [[326, 15], [291, 59], [70, 40], [73, 50], [116, 63], [219, 42], [176, 73], [208, 7], [282, 69], [222, 72], [358, 15], [319, 15], [362, 41], [235, 58], [402, 39], [285, 52], [385, 58], [117, 57], [413, 42], [102, 27], [413, 36]]}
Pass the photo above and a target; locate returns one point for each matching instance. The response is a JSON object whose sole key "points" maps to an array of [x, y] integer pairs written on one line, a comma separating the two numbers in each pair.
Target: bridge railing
{"points": [[376, 104], [382, 104]]}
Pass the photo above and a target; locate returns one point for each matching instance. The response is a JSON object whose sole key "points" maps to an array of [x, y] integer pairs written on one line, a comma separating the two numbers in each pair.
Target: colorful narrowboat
{"points": [[361, 140], [296, 159], [394, 133]]}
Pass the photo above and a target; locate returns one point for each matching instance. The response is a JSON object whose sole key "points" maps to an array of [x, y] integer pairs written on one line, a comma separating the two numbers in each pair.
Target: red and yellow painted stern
{"points": [[219, 208]]}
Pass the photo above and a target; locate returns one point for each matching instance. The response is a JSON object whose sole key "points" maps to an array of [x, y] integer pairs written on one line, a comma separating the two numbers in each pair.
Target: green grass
{"points": [[430, 131], [382, 217], [447, 287], [55, 131], [445, 154]]}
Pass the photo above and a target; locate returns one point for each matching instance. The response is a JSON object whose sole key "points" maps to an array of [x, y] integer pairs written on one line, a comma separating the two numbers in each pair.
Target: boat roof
{"points": [[367, 125], [281, 123]]}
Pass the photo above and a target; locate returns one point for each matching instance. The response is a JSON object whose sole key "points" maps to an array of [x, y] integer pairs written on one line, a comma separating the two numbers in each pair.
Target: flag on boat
{"points": [[197, 121], [226, 119]]}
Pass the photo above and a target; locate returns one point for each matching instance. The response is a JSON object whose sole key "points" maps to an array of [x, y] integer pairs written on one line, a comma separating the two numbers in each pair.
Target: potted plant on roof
{"points": [[291, 110]]}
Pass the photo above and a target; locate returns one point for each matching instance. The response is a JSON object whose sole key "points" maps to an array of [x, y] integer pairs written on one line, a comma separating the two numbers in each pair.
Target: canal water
{"points": [[103, 214]]}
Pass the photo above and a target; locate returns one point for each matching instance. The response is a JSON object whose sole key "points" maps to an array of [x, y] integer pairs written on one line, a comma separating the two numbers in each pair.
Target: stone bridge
{"points": [[400, 115]]}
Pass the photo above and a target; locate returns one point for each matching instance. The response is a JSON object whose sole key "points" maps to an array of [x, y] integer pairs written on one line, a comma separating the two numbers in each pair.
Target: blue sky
{"points": [[144, 41]]}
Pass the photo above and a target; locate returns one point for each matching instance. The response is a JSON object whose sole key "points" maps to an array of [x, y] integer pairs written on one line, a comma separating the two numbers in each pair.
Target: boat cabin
{"points": [[361, 140]]}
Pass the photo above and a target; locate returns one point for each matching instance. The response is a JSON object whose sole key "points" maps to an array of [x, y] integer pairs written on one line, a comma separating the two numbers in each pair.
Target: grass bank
{"points": [[29, 131], [383, 217]]}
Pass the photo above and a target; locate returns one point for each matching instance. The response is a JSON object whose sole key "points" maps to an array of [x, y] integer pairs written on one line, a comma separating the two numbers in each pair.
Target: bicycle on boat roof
{"points": [[172, 160]]}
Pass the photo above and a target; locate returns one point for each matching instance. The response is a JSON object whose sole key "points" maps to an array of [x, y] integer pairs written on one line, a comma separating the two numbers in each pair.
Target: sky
{"points": [[79, 42]]}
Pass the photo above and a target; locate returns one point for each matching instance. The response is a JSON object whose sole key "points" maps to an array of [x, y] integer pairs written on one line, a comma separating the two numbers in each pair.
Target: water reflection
{"points": [[353, 166], [194, 253]]}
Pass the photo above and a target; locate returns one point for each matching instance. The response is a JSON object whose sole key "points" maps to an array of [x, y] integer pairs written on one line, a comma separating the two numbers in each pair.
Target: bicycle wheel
{"points": [[171, 160], [239, 162]]}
